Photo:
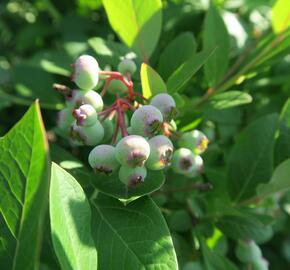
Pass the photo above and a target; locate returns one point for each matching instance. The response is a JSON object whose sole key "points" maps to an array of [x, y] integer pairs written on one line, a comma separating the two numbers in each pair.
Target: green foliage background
{"points": [[226, 62]]}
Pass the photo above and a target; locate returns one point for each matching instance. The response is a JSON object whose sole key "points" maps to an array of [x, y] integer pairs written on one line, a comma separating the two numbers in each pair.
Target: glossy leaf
{"points": [[176, 53], [131, 237], [70, 218], [152, 83], [141, 23], [229, 99], [184, 73], [281, 16], [24, 180], [280, 180], [111, 185], [251, 160], [215, 35]]}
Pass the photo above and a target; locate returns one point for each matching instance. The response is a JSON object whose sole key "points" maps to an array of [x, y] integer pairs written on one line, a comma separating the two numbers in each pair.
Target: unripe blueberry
{"points": [[88, 135], [194, 140], [102, 158], [132, 151], [117, 87], [260, 264], [65, 120], [165, 104], [127, 66], [91, 97], [197, 167], [85, 115], [146, 121], [132, 176], [108, 129], [183, 161], [86, 72], [247, 251], [161, 149]]}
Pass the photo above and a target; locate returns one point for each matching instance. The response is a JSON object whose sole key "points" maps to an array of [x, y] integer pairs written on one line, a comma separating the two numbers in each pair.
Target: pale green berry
{"points": [[117, 87], [132, 151], [194, 140], [165, 104], [85, 115], [247, 251], [260, 264], [65, 120], [127, 66], [88, 135], [79, 98], [102, 158], [161, 149], [146, 121], [86, 72], [132, 176], [183, 161], [108, 129], [197, 167]]}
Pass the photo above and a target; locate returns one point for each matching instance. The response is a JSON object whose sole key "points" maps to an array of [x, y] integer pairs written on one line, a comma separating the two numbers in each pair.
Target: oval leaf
{"points": [[281, 16], [152, 83], [24, 179], [70, 218], [138, 23], [131, 237]]}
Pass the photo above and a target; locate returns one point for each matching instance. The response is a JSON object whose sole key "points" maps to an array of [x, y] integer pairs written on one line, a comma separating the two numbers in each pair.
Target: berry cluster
{"points": [[139, 130]]}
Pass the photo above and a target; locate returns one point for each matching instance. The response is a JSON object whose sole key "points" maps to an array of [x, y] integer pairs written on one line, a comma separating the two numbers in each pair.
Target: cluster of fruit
{"points": [[137, 145], [248, 252]]}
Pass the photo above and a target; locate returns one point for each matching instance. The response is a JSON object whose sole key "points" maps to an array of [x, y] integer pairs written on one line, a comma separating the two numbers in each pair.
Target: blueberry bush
{"points": [[144, 135]]}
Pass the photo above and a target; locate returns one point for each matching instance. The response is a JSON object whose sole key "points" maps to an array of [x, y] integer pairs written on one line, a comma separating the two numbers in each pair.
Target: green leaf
{"points": [[71, 164], [24, 180], [152, 83], [251, 160], [280, 180], [184, 73], [112, 186], [138, 23], [70, 218], [229, 99], [176, 53], [215, 35], [131, 237], [281, 16], [214, 261]]}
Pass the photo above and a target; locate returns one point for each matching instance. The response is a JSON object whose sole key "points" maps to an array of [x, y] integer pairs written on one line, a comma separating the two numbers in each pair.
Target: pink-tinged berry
{"points": [[127, 66], [165, 104], [65, 120], [183, 161], [132, 176], [102, 158], [146, 121], [117, 87], [194, 140], [161, 150], [132, 151], [197, 167], [88, 135], [86, 72], [85, 115], [90, 97]]}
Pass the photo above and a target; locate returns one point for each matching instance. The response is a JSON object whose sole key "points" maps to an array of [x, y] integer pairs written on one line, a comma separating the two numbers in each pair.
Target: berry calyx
{"points": [[161, 149], [102, 158], [132, 176], [146, 121], [132, 151], [194, 140], [197, 167], [165, 104], [86, 72], [85, 115]]}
